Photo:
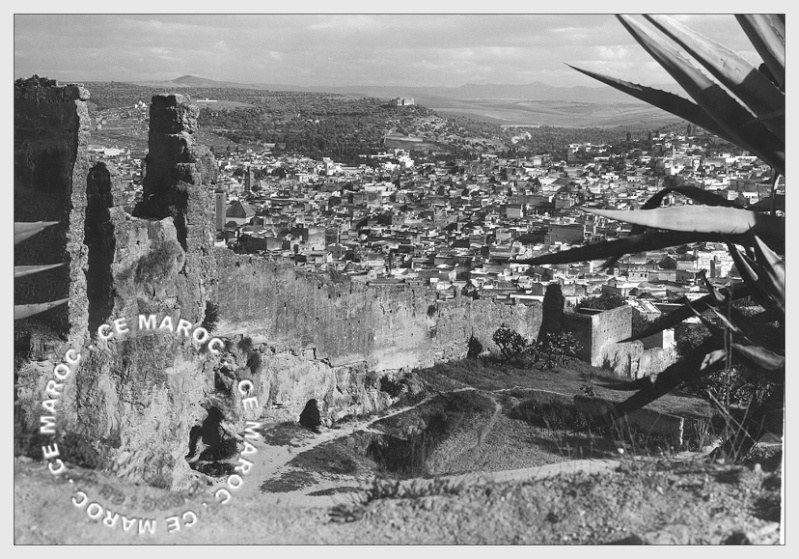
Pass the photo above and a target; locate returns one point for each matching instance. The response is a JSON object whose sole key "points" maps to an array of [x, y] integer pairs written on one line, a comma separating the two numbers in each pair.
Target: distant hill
{"points": [[535, 91], [533, 104]]}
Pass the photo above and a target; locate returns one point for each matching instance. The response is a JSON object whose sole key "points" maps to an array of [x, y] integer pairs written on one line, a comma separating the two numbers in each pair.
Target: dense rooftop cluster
{"points": [[461, 225]]}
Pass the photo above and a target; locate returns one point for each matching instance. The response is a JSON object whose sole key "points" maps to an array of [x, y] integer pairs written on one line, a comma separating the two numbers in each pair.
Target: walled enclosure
{"points": [[133, 400]]}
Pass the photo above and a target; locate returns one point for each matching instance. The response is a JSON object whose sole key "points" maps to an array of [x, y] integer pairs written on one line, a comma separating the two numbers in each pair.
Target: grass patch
{"points": [[551, 414], [382, 488], [569, 378], [335, 491], [341, 456], [289, 481], [285, 434]]}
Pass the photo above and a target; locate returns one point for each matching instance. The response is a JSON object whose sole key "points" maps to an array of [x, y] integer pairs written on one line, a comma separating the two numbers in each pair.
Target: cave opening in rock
{"points": [[311, 418], [212, 445]]}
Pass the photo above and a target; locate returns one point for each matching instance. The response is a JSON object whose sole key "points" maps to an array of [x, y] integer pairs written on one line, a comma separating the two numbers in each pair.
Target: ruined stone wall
{"points": [[51, 128], [129, 406], [598, 335], [387, 328]]}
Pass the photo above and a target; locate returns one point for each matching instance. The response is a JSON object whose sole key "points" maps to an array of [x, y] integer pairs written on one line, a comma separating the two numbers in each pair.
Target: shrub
{"points": [[211, 319], [391, 387], [555, 347], [475, 348], [510, 342]]}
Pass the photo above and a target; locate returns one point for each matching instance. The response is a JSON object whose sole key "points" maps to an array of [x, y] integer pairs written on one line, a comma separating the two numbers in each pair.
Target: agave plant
{"points": [[745, 105], [23, 231]]}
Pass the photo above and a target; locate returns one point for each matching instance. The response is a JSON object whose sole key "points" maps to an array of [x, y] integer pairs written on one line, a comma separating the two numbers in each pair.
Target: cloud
{"points": [[416, 49]]}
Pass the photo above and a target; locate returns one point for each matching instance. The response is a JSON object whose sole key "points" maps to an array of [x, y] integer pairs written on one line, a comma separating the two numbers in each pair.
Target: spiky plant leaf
{"points": [[768, 204], [669, 102], [731, 116], [704, 360], [764, 289], [25, 230], [760, 356], [692, 192], [24, 311], [21, 271], [773, 266], [675, 317], [700, 219], [767, 34], [727, 322], [745, 81], [620, 247]]}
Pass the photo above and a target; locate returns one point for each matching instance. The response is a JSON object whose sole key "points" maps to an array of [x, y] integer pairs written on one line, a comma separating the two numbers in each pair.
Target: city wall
{"points": [[384, 329]]}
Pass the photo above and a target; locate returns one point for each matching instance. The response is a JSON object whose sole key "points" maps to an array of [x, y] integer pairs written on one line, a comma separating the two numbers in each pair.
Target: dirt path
{"points": [[271, 462]]}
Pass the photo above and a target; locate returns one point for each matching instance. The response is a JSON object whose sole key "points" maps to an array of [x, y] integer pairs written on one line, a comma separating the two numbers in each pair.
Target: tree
{"points": [[510, 342], [555, 347], [604, 301]]}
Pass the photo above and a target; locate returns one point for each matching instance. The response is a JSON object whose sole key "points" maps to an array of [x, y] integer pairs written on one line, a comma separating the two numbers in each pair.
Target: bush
{"points": [[555, 347], [211, 319], [510, 342], [549, 351]]}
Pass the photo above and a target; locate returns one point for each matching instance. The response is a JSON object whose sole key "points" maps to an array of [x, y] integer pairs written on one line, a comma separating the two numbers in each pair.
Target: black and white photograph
{"points": [[393, 279]]}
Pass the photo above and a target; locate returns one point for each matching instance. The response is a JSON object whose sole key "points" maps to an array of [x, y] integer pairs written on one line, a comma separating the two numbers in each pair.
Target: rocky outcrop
{"points": [[131, 402]]}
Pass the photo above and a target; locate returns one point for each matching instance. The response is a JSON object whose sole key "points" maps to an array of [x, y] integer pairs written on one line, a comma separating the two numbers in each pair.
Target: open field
{"points": [[552, 113]]}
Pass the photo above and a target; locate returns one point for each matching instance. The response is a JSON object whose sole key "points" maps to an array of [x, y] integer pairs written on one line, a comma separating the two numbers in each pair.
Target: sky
{"points": [[338, 50]]}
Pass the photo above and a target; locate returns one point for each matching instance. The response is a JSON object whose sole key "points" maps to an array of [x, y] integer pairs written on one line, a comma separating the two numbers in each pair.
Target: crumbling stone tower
{"points": [[51, 137], [180, 172], [133, 400]]}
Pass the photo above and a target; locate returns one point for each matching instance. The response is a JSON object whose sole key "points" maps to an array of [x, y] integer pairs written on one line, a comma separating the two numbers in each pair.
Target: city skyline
{"points": [[344, 49]]}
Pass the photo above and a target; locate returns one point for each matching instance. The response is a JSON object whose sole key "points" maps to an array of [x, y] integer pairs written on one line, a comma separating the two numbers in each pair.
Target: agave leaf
{"points": [[21, 271], [773, 265], [727, 322], [763, 289], [665, 100], [776, 115], [720, 105], [767, 34], [711, 289], [700, 219], [675, 317], [760, 356], [692, 192], [24, 311], [25, 230], [733, 71], [704, 360], [765, 205], [619, 247]]}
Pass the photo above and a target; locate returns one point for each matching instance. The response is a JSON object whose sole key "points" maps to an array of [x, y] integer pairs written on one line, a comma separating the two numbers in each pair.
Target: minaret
{"points": [[220, 197], [248, 180]]}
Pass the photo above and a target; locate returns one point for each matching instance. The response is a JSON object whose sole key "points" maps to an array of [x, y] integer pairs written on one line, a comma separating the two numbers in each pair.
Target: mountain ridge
{"points": [[531, 91]]}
